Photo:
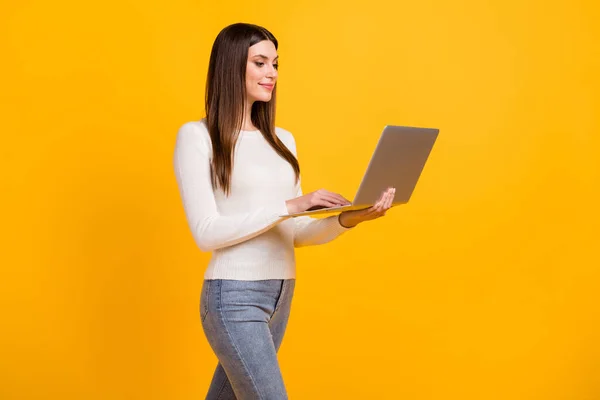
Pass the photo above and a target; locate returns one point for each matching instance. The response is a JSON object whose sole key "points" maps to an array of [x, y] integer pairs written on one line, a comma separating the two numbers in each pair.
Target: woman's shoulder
{"points": [[196, 131], [286, 137], [198, 127]]}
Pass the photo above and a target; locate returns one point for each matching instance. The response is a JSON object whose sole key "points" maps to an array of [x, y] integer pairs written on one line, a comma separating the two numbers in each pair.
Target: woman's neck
{"points": [[247, 124]]}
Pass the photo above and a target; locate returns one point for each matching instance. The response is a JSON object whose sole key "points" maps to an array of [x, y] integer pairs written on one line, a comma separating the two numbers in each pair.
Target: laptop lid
{"points": [[397, 161]]}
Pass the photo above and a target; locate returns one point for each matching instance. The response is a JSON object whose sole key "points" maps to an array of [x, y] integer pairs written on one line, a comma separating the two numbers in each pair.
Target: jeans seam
{"points": [[237, 351], [206, 297], [280, 299], [220, 392]]}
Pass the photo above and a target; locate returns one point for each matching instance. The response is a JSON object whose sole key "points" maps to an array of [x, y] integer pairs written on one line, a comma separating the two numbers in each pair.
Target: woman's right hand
{"points": [[320, 198]]}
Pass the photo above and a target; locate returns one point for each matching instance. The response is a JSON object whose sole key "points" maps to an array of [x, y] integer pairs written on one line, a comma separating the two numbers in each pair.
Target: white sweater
{"points": [[248, 232]]}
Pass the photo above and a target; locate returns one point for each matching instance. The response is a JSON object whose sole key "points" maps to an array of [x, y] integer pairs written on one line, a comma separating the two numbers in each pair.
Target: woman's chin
{"points": [[264, 99]]}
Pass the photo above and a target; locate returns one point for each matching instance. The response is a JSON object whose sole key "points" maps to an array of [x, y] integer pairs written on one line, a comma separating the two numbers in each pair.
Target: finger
{"points": [[329, 203], [390, 199], [342, 199], [388, 204], [376, 207], [336, 198], [371, 210], [385, 195], [328, 197], [387, 198], [326, 203], [383, 203], [380, 204]]}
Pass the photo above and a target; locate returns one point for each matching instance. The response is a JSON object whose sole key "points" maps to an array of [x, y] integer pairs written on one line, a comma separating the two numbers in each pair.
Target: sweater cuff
{"points": [[341, 227], [282, 211]]}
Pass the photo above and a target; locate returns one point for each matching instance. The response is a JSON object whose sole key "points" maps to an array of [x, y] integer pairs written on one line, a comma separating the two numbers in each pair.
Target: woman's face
{"points": [[261, 71]]}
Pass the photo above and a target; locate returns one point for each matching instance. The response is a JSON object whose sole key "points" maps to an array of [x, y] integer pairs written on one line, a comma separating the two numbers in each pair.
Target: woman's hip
{"points": [[245, 301]]}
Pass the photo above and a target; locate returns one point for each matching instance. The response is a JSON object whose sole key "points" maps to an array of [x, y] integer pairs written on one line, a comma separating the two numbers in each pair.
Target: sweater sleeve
{"points": [[311, 231], [210, 230]]}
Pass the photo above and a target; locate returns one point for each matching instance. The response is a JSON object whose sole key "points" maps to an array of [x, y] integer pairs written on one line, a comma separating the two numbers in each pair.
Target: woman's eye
{"points": [[260, 64]]}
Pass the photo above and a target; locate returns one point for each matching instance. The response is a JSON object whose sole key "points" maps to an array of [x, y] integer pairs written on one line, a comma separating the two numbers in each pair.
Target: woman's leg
{"points": [[220, 387], [244, 322], [279, 319]]}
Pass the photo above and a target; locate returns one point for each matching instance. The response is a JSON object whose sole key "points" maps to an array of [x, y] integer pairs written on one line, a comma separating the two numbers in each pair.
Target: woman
{"points": [[238, 177]]}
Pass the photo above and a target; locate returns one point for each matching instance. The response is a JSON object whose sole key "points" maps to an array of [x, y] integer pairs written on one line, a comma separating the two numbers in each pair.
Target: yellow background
{"points": [[485, 286]]}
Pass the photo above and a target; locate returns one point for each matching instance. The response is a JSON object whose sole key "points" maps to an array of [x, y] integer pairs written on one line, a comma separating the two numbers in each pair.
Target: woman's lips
{"points": [[270, 87]]}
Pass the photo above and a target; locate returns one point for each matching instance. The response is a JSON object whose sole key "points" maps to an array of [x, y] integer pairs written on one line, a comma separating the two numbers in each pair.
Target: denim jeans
{"points": [[244, 322]]}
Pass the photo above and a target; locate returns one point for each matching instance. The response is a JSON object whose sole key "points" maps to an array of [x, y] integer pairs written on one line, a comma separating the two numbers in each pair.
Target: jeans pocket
{"points": [[204, 300]]}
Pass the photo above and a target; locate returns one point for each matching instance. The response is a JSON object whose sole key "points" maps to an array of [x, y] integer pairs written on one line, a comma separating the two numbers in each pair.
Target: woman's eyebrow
{"points": [[265, 57]]}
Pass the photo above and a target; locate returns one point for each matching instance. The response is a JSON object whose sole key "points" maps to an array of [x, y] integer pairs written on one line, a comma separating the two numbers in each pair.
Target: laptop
{"points": [[398, 160]]}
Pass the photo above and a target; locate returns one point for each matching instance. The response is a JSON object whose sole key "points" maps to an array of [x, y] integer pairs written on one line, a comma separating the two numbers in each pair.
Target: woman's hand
{"points": [[320, 198], [350, 219]]}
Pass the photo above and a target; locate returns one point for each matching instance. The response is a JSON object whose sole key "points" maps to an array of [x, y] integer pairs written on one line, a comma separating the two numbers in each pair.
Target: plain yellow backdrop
{"points": [[485, 286]]}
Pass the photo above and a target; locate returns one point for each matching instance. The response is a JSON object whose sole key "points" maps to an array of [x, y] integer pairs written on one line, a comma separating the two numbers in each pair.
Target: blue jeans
{"points": [[244, 322]]}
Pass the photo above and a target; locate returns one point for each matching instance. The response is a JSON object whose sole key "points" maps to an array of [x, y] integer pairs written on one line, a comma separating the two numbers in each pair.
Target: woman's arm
{"points": [[210, 230], [311, 231]]}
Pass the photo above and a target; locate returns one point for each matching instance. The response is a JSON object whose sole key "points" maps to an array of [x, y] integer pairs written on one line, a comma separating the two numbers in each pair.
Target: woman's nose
{"points": [[272, 73]]}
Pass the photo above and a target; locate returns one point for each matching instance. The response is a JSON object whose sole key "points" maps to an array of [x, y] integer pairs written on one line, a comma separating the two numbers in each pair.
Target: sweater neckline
{"points": [[242, 131], [250, 133]]}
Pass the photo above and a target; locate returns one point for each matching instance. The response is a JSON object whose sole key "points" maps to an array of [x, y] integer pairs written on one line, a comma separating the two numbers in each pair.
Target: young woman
{"points": [[238, 178]]}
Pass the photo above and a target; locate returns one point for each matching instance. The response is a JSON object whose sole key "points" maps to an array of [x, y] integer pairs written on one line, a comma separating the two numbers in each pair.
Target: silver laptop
{"points": [[397, 161]]}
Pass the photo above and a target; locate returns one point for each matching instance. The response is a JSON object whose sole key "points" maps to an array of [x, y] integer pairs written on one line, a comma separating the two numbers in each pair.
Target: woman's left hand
{"points": [[350, 219]]}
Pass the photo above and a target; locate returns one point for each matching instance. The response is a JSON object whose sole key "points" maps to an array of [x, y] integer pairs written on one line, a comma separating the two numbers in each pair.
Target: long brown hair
{"points": [[225, 98]]}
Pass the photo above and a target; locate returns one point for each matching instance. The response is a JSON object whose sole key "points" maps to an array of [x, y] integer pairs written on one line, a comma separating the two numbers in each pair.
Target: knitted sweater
{"points": [[248, 232]]}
